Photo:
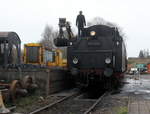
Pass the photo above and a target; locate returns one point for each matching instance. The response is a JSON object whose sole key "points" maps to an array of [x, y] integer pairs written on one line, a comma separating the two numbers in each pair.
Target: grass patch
{"points": [[121, 110], [24, 101]]}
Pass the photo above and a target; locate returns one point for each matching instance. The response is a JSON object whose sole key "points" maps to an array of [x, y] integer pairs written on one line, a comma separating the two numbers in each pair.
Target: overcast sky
{"points": [[29, 17]]}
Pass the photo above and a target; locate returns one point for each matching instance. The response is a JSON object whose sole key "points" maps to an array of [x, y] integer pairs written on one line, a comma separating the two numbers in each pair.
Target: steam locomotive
{"points": [[98, 57]]}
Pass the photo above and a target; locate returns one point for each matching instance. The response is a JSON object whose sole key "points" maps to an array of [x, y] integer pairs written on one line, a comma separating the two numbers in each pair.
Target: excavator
{"points": [[37, 54], [62, 39]]}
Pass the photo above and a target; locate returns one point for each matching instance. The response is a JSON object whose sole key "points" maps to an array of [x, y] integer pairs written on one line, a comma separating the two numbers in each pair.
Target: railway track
{"points": [[53, 104], [94, 105], [70, 105]]}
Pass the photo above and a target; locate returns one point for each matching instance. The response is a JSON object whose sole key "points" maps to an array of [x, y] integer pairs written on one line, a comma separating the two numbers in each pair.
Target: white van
{"points": [[133, 71]]}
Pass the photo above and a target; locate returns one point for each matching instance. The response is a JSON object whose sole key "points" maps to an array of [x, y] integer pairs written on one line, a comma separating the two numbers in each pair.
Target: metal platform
{"points": [[139, 98], [139, 106]]}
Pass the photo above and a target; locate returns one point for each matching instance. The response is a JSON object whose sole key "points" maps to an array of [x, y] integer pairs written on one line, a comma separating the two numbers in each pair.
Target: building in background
{"points": [[143, 64]]}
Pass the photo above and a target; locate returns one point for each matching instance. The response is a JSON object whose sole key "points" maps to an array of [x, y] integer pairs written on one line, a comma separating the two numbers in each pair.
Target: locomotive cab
{"points": [[33, 54], [37, 54]]}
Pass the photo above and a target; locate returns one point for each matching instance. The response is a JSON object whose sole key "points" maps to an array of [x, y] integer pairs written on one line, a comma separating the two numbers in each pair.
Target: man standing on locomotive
{"points": [[80, 23]]}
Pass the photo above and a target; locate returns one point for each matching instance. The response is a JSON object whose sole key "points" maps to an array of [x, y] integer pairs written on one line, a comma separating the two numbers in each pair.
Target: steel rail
{"points": [[94, 105], [12, 108], [129, 100], [52, 104]]}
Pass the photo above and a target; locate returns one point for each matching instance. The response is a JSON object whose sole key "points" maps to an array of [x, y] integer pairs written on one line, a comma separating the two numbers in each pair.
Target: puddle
{"points": [[138, 87], [147, 97]]}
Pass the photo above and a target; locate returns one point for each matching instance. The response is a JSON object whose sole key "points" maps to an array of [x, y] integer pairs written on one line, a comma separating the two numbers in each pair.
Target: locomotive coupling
{"points": [[108, 72], [74, 71]]}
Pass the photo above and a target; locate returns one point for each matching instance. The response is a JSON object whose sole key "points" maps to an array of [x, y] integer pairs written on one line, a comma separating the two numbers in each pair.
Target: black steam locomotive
{"points": [[98, 57]]}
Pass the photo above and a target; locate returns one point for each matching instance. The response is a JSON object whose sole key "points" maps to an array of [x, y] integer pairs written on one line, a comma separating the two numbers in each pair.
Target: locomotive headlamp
{"points": [[92, 33], [107, 60], [75, 60]]}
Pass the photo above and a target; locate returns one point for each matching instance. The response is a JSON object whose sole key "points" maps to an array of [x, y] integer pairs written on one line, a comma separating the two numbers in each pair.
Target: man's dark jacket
{"points": [[80, 21]]}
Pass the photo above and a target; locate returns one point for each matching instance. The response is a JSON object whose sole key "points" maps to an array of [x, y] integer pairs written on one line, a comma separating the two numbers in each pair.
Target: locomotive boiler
{"points": [[98, 57]]}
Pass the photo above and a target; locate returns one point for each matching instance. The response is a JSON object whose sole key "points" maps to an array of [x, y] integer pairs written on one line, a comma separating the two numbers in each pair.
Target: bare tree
{"points": [[96, 21], [147, 52], [144, 53], [48, 36], [101, 21], [141, 54], [47, 39]]}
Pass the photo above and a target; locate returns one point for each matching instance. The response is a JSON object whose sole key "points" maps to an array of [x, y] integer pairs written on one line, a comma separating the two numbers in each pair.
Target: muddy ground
{"points": [[134, 86], [116, 103]]}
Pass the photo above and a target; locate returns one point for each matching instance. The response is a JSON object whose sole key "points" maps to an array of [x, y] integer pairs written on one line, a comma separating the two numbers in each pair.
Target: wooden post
{"points": [[48, 83]]}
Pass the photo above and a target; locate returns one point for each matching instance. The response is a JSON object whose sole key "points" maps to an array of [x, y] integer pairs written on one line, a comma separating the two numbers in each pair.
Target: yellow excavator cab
{"points": [[35, 53], [58, 59]]}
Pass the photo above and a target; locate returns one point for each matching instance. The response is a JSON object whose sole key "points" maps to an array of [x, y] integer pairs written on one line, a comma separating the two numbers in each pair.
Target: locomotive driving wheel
{"points": [[29, 85], [14, 88], [27, 81]]}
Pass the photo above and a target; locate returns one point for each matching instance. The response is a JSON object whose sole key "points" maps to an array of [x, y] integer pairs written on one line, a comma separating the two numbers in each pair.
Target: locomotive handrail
{"points": [[93, 51]]}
